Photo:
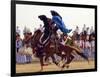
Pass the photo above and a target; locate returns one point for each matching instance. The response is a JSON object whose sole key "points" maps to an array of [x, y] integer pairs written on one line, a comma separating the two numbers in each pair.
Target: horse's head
{"points": [[35, 38]]}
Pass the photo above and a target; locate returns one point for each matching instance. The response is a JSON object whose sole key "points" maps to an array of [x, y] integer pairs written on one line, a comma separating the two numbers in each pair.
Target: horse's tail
{"points": [[81, 54]]}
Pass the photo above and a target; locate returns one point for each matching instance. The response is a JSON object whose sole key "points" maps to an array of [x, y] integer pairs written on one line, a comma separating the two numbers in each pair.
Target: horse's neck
{"points": [[36, 36]]}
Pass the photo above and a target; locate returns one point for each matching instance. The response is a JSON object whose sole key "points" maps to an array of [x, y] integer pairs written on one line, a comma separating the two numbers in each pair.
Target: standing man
{"points": [[17, 30], [18, 39], [88, 32], [91, 30], [77, 35], [84, 29]]}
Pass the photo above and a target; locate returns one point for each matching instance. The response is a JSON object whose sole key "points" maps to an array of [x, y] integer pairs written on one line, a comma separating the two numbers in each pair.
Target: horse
{"points": [[52, 45], [47, 49], [50, 49], [71, 49], [68, 50]]}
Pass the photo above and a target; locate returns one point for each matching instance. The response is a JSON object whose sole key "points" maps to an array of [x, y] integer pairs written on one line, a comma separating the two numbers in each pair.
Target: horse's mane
{"points": [[37, 31]]}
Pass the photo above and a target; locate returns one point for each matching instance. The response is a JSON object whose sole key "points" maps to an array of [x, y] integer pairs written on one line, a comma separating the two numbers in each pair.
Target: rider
{"points": [[57, 19], [45, 36]]}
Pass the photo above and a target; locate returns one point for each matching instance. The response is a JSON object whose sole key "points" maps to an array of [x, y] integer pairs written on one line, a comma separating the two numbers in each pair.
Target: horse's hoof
{"points": [[41, 69], [59, 65], [88, 61], [61, 69], [67, 66], [45, 65], [62, 66]]}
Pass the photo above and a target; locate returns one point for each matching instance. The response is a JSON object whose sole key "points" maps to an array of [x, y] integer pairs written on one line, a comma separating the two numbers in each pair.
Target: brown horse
{"points": [[69, 51], [47, 49], [55, 48], [52, 46]]}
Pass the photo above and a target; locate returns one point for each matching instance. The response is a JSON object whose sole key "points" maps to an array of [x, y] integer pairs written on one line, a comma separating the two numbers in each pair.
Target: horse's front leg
{"points": [[41, 63], [46, 59]]}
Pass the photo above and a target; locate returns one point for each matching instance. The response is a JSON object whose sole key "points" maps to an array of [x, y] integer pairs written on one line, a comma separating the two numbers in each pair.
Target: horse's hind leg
{"points": [[46, 59], [65, 64], [69, 59]]}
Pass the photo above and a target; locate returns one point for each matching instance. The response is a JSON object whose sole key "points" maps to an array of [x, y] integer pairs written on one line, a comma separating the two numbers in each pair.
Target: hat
{"points": [[26, 30], [17, 30]]}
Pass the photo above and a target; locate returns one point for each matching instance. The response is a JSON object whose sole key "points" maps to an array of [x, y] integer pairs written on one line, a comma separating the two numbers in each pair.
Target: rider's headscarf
{"points": [[42, 17], [45, 21]]}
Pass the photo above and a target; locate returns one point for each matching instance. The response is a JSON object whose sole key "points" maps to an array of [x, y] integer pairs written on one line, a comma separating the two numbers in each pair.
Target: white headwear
{"points": [[17, 30], [26, 30]]}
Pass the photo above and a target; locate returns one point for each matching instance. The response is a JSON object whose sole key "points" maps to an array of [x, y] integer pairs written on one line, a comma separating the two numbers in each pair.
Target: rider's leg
{"points": [[66, 30], [60, 24]]}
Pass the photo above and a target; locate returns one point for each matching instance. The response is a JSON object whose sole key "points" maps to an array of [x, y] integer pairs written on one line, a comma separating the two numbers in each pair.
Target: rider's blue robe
{"points": [[60, 24]]}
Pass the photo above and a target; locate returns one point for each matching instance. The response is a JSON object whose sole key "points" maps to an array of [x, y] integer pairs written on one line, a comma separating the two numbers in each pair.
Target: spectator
{"points": [[88, 33], [84, 29], [18, 42], [27, 36], [77, 30], [17, 30], [91, 30], [77, 34]]}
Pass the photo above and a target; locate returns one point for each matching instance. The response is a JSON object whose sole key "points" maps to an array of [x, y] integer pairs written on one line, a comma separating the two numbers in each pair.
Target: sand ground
{"points": [[35, 66]]}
